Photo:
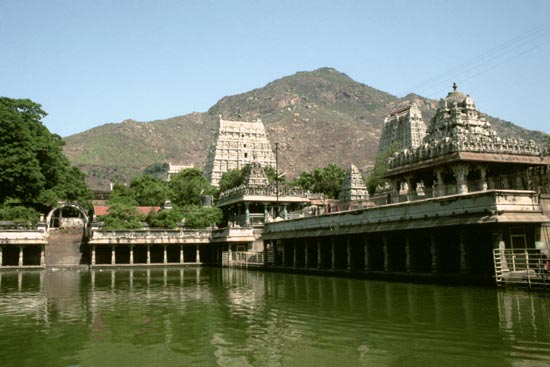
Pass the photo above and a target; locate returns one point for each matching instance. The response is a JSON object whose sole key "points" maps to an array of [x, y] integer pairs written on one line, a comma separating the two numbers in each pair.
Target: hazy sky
{"points": [[90, 62]]}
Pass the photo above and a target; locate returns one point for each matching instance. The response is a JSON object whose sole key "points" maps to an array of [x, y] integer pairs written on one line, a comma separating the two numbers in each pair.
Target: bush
{"points": [[19, 215], [203, 217], [167, 218]]}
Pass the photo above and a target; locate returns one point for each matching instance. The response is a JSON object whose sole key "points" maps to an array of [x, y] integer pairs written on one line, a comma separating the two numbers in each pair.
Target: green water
{"points": [[227, 317]]}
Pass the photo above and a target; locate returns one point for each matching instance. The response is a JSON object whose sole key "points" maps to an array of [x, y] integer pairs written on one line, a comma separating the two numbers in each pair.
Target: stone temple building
{"points": [[403, 129], [354, 188], [237, 144], [461, 153]]}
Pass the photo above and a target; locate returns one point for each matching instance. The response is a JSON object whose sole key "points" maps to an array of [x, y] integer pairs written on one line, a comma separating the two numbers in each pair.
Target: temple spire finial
{"points": [[454, 86]]}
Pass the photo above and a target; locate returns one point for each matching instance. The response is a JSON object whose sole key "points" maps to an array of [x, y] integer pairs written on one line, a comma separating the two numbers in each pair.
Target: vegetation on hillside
{"points": [[317, 117]]}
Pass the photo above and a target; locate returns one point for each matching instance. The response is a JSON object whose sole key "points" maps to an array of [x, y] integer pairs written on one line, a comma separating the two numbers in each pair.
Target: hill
{"points": [[318, 117]]}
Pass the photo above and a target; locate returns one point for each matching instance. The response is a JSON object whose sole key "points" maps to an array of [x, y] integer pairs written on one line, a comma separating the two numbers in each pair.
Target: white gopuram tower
{"points": [[237, 144]]}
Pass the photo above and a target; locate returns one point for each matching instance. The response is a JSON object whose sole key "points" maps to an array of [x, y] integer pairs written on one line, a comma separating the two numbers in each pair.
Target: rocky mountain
{"points": [[318, 117]]}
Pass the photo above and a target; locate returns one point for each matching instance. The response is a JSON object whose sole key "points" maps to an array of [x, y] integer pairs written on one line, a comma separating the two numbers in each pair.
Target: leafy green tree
{"points": [[375, 178], [18, 214], [32, 164], [231, 179], [122, 194], [188, 187], [325, 180], [148, 190], [202, 217], [272, 175], [167, 218], [122, 216]]}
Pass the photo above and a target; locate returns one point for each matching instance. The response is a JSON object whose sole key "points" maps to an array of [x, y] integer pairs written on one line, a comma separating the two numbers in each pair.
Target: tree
{"points": [[203, 217], [167, 218], [231, 179], [148, 190], [32, 164], [18, 214], [325, 180], [122, 194], [122, 216], [188, 187], [375, 178]]}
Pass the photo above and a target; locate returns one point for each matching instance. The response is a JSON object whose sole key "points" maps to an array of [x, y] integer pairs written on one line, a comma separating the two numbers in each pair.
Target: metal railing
{"points": [[242, 258], [528, 268]]}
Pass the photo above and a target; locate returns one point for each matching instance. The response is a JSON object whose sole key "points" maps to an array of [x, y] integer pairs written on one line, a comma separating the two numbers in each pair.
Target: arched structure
{"points": [[53, 221]]}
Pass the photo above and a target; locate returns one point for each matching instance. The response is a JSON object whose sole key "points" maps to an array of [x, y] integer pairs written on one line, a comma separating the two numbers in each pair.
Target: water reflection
{"points": [[229, 317]]}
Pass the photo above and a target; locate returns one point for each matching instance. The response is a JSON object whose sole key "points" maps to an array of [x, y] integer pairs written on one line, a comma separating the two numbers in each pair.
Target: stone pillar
{"points": [[460, 171], [20, 262], [439, 186], [42, 256], [266, 212], [348, 252], [435, 254], [197, 255], [332, 255], [1, 256], [148, 254], [247, 214], [182, 260], [164, 255], [93, 255], [396, 187], [408, 255], [483, 173], [464, 254], [131, 254], [319, 257], [285, 211], [386, 253], [411, 191], [113, 255], [366, 265]]}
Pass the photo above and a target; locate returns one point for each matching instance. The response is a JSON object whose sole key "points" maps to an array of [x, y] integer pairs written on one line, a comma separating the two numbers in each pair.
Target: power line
{"points": [[490, 59]]}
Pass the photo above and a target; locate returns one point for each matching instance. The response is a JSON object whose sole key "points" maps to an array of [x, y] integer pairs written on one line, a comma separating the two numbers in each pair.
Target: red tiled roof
{"points": [[100, 210]]}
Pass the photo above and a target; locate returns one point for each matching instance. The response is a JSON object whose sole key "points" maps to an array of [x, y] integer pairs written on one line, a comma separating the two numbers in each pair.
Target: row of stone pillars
{"points": [[325, 257], [21, 257], [148, 261]]}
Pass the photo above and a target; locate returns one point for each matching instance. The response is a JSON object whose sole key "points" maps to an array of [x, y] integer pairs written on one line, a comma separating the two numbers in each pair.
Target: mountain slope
{"points": [[318, 117]]}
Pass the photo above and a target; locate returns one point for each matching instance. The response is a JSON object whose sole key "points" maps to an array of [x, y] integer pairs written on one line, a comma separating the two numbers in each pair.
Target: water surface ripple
{"points": [[231, 317]]}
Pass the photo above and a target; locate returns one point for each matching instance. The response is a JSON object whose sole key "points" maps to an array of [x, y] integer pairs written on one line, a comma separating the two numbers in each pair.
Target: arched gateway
{"points": [[67, 214], [67, 232]]}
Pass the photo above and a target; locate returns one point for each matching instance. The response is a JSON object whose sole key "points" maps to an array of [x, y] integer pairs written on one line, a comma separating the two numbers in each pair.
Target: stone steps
{"points": [[63, 248]]}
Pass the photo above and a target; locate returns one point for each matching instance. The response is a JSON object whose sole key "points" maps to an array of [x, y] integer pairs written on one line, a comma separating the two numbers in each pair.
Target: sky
{"points": [[91, 62]]}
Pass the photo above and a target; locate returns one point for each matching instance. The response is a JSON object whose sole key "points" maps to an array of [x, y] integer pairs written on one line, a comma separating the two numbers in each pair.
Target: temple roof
{"points": [[458, 131]]}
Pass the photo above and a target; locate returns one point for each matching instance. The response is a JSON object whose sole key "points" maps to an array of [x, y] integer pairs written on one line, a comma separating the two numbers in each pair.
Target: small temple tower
{"points": [[237, 143], [403, 129], [462, 153], [354, 188]]}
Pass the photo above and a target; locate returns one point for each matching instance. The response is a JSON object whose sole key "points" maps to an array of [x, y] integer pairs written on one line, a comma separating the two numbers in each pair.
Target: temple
{"points": [[403, 129], [461, 203], [237, 143], [461, 153], [353, 191]]}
